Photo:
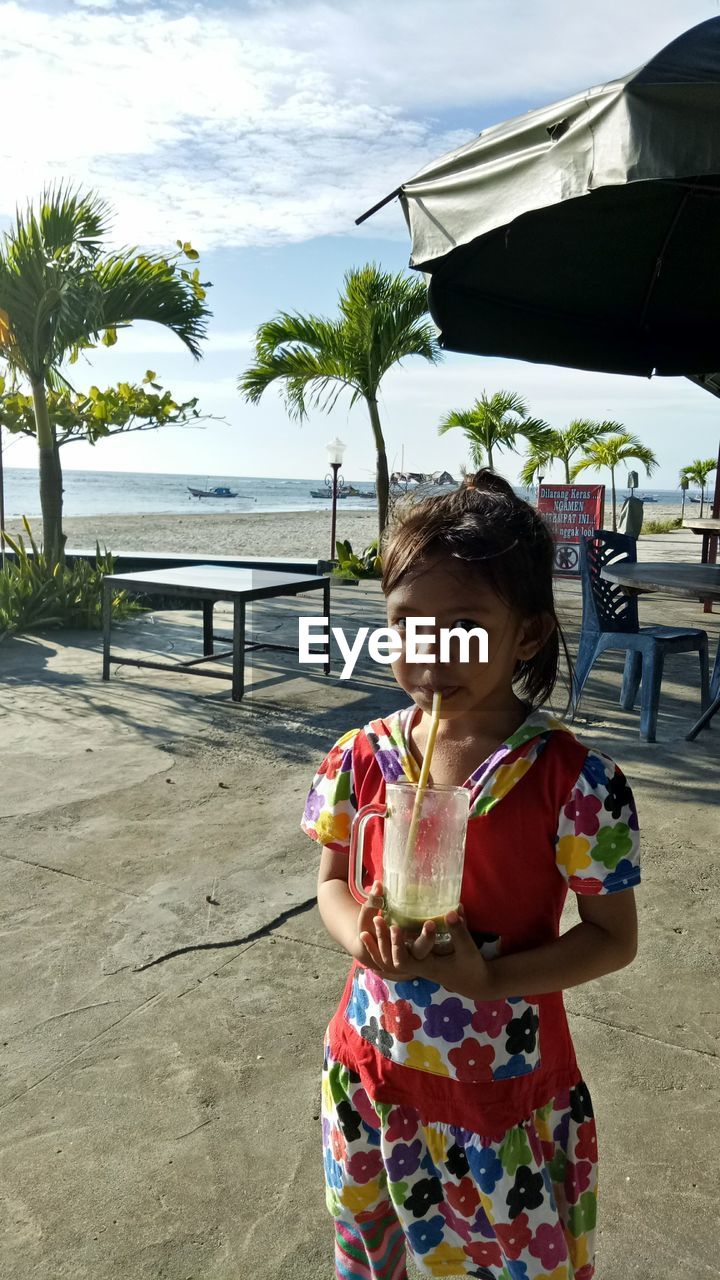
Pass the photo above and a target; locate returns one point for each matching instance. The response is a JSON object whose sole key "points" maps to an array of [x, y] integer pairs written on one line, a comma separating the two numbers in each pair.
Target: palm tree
{"points": [[60, 294], [697, 473], [383, 319], [684, 484], [494, 422], [562, 445], [610, 452]]}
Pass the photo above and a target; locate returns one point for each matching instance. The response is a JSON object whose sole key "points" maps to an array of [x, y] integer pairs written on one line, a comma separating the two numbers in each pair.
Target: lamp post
{"points": [[335, 451]]}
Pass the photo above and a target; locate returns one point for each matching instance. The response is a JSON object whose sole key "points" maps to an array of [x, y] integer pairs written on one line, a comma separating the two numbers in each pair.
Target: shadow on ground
{"points": [[167, 980]]}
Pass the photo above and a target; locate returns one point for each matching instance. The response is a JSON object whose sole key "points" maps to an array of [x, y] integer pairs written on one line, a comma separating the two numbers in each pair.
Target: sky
{"points": [[259, 130]]}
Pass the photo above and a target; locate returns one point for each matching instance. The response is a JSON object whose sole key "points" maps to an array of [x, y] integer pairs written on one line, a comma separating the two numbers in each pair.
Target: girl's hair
{"points": [[485, 527]]}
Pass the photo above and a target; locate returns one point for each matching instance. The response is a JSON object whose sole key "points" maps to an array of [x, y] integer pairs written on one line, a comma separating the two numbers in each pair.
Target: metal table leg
{"points": [[238, 672], [106, 620], [326, 613], [705, 719], [714, 707], [207, 609]]}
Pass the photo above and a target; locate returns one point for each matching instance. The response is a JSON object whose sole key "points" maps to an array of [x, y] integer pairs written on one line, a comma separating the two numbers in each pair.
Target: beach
{"points": [[276, 533]]}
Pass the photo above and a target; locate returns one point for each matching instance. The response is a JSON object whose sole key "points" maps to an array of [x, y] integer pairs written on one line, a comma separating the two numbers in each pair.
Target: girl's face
{"points": [[457, 598]]}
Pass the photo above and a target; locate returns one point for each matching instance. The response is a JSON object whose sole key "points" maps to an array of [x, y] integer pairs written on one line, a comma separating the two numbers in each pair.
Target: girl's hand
{"points": [[387, 948], [464, 970]]}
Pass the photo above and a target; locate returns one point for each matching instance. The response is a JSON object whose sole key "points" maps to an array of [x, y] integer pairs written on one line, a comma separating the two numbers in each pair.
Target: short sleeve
{"points": [[598, 842], [331, 803]]}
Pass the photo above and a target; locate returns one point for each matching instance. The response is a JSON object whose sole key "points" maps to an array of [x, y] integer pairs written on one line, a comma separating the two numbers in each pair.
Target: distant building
{"points": [[421, 477]]}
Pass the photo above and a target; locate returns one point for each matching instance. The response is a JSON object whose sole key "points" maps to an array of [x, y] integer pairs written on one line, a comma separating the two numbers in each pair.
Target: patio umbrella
{"points": [[586, 233]]}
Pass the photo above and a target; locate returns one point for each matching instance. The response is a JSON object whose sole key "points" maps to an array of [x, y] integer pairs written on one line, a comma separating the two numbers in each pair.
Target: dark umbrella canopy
{"points": [[587, 233]]}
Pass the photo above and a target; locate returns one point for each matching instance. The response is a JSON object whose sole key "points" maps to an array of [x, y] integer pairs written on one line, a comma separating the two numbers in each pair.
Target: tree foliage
{"points": [[97, 414], [383, 320], [697, 472], [609, 452], [561, 445], [495, 422], [61, 294]]}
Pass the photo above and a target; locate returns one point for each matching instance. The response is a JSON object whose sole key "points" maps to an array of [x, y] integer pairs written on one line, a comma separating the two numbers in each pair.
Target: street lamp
{"points": [[335, 451]]}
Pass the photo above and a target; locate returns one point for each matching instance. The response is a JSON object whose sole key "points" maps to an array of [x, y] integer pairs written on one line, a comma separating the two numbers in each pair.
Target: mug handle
{"points": [[357, 840]]}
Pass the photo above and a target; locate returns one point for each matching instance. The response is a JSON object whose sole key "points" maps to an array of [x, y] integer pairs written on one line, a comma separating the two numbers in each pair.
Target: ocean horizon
{"points": [[92, 493], [131, 493]]}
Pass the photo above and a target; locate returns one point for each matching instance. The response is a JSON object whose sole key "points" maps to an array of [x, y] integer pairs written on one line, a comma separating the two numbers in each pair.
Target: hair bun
{"points": [[487, 481]]}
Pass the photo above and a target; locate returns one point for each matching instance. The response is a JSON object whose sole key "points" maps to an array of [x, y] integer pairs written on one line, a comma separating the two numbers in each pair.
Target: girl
{"points": [[455, 1119]]}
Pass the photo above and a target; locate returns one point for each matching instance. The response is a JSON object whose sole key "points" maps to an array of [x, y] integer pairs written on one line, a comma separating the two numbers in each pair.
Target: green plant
{"points": [[661, 526], [352, 567], [383, 319], [697, 472], [561, 446], [494, 422], [36, 595], [610, 452], [61, 294]]}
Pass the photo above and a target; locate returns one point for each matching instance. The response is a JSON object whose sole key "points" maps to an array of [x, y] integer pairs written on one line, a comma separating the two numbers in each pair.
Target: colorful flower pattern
{"points": [[520, 1209], [445, 1034], [597, 845], [417, 1023], [523, 1208]]}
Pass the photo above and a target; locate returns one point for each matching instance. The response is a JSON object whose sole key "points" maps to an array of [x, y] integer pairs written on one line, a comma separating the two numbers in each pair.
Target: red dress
{"points": [[546, 812]]}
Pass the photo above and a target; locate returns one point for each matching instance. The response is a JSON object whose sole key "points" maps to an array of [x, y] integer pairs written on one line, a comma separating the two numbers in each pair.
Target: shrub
{"points": [[35, 597], [661, 526], [351, 567]]}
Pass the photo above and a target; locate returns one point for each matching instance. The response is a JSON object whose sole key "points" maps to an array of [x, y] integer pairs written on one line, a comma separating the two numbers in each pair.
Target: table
{"points": [[708, 529], [207, 584], [682, 578]]}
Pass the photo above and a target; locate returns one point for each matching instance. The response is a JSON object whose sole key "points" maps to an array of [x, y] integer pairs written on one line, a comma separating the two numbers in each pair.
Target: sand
{"points": [[279, 533], [284, 533]]}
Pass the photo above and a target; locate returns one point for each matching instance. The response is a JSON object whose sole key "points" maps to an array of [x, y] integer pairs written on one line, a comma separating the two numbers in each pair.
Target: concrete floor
{"points": [[160, 1053]]}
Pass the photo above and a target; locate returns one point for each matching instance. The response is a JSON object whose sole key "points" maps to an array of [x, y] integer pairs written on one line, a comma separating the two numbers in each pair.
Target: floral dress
{"points": [[462, 1129]]}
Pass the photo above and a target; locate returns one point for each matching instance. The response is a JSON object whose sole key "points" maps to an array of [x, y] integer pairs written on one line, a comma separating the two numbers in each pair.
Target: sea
{"points": [[131, 493], [90, 493]]}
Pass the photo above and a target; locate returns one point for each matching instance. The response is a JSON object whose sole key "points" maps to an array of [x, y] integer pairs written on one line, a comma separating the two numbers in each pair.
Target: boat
{"points": [[695, 498], [220, 491], [348, 492]]}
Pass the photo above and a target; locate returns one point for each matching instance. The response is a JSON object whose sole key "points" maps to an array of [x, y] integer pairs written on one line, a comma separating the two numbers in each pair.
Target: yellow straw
{"points": [[424, 775]]}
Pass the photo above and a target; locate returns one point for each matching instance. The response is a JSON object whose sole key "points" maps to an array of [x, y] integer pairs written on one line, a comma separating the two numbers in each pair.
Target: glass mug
{"points": [[426, 885]]}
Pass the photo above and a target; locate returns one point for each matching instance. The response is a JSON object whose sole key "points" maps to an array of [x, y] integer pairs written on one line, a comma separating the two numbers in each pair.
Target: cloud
{"points": [[151, 339], [274, 122]]}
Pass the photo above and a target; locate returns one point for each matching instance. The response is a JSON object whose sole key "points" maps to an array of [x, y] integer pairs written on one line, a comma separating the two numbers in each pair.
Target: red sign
{"points": [[573, 511]]}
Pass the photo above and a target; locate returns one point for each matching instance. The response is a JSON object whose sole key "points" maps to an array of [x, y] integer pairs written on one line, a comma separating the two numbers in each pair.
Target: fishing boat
{"points": [[219, 491], [348, 491]]}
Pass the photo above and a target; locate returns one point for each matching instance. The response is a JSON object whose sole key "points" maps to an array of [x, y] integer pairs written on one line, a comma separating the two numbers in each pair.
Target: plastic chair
{"points": [[610, 621]]}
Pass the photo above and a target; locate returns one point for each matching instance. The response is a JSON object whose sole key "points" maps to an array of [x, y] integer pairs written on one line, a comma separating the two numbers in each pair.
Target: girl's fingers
{"points": [[384, 943], [398, 946], [369, 942], [423, 945]]}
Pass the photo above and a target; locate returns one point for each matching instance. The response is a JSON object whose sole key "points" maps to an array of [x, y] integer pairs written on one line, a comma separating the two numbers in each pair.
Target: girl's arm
{"points": [[605, 940]]}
